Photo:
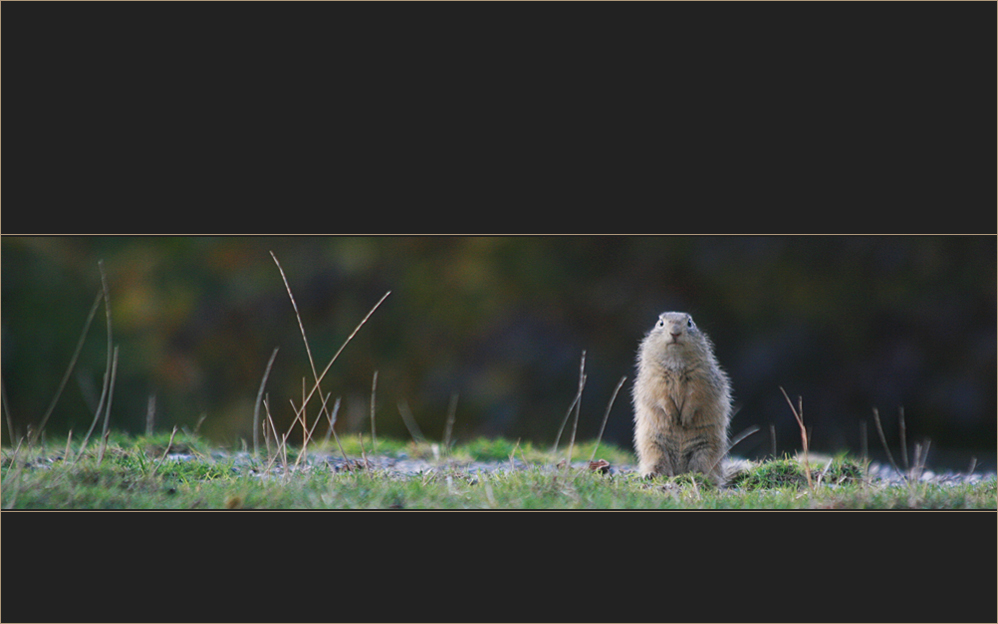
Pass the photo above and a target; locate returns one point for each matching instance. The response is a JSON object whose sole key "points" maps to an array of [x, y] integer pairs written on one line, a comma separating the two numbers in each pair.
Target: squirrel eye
{"points": [[660, 323], [689, 322]]}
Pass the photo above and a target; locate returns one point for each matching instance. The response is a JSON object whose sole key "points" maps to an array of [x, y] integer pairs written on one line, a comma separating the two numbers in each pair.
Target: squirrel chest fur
{"points": [[682, 401]]}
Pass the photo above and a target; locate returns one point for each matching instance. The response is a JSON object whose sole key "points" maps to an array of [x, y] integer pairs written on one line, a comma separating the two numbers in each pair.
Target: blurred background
{"points": [[848, 323]]}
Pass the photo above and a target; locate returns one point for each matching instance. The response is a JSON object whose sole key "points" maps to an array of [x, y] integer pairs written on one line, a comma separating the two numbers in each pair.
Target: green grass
{"points": [[134, 473]]}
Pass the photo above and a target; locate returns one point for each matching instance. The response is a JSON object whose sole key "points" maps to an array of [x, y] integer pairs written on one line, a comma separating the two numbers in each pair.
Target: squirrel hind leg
{"points": [[656, 463], [709, 462]]}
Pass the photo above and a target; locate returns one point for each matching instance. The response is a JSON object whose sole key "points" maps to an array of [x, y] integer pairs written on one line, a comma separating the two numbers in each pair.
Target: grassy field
{"points": [[185, 472]]}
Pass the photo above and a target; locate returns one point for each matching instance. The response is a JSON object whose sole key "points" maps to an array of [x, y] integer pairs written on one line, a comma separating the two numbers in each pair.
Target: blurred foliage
{"points": [[848, 323]]}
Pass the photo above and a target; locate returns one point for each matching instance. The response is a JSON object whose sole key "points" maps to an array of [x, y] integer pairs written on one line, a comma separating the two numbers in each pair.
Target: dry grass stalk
{"points": [[69, 441], [799, 416], [363, 453], [735, 441], [107, 371], [863, 450], [259, 397], [166, 451], [921, 455], [266, 432], [273, 431], [14, 473], [606, 416], [345, 343], [575, 403], [973, 464], [332, 423], [197, 425], [308, 438], [332, 419], [512, 453], [883, 440], [6, 411], [904, 443], [69, 369], [308, 350], [374, 437], [410, 422], [449, 427], [150, 414], [105, 432]]}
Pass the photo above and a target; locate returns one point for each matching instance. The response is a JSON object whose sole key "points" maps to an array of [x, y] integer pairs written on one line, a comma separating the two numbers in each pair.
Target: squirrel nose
{"points": [[675, 336]]}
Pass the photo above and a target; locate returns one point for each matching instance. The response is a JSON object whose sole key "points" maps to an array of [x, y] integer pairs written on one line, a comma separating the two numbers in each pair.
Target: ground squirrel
{"points": [[682, 401]]}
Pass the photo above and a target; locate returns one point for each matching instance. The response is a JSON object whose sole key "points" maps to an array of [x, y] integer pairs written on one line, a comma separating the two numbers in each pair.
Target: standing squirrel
{"points": [[682, 401]]}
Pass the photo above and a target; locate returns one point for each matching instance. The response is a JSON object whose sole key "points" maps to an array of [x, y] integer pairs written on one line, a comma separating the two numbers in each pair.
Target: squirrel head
{"points": [[676, 342], [675, 327]]}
